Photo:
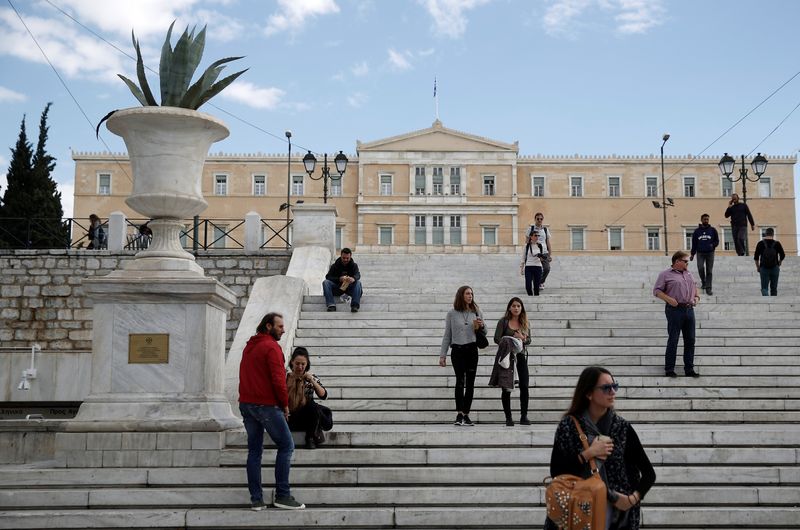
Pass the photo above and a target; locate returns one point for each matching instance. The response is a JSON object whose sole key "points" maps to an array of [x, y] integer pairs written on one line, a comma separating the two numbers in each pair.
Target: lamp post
{"points": [[664, 196], [310, 162], [759, 166], [288, 184]]}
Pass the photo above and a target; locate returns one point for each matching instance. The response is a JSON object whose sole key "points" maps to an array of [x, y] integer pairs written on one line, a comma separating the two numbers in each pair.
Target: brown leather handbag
{"points": [[575, 503]]}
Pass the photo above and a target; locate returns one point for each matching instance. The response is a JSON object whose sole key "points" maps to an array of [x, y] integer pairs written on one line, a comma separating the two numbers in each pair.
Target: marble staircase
{"points": [[726, 446]]}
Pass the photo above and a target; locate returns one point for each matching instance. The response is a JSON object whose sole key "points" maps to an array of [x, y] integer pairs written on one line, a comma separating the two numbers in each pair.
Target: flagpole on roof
{"points": [[435, 99]]}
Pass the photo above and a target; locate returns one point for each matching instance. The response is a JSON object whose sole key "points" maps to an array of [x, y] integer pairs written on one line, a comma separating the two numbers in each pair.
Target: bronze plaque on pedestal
{"points": [[148, 348]]}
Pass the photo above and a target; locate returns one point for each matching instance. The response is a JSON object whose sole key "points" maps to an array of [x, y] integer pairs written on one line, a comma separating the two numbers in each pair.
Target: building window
{"points": [[104, 184], [537, 186], [727, 239], [765, 187], [336, 187], [419, 230], [297, 184], [576, 238], [455, 229], [615, 238], [386, 184], [338, 237], [419, 181], [385, 235], [651, 186], [438, 181], [438, 229], [653, 239], [576, 186], [490, 235], [763, 230], [727, 187], [220, 235], [488, 184], [455, 181], [614, 186], [687, 238], [259, 185], [220, 185], [688, 187]]}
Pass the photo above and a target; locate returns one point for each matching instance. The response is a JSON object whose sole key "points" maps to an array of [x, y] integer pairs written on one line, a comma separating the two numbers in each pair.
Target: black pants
{"points": [[705, 268], [739, 239], [305, 419], [524, 381], [464, 358], [533, 274]]}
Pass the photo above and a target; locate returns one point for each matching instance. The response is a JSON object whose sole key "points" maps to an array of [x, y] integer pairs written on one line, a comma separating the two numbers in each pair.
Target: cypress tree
{"points": [[31, 213]]}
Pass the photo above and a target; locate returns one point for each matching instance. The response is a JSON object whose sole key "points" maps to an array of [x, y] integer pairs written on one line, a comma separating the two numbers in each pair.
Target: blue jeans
{"points": [[331, 289], [769, 280], [257, 419], [679, 320]]}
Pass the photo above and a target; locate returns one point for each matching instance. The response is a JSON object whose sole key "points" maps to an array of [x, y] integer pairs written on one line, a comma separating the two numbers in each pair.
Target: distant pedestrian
{"points": [[705, 240], [768, 257], [460, 328], [677, 288], [264, 404], [531, 264], [97, 234], [514, 324], [343, 279], [740, 215], [544, 239]]}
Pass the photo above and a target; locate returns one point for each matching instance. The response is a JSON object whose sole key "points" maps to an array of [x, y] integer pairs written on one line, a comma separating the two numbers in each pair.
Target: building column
{"points": [[446, 229], [428, 228]]}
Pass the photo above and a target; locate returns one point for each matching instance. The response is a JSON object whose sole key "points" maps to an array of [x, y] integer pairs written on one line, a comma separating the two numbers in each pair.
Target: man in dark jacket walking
{"points": [[768, 256], [343, 278], [704, 241], [740, 215]]}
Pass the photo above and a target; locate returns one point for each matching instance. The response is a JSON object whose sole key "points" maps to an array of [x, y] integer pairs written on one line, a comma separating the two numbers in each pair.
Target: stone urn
{"points": [[167, 147]]}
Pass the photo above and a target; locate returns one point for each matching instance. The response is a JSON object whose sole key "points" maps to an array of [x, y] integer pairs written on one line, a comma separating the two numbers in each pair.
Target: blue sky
{"points": [[559, 76]]}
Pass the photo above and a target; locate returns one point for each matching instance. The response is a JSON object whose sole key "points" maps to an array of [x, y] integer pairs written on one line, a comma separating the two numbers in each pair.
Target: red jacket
{"points": [[262, 377]]}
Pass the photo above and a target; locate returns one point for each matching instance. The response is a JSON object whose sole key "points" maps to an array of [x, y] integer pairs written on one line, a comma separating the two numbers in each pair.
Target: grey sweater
{"points": [[458, 329]]}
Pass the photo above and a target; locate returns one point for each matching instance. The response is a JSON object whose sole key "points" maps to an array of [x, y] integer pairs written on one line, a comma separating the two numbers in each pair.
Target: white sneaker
{"points": [[345, 299]]}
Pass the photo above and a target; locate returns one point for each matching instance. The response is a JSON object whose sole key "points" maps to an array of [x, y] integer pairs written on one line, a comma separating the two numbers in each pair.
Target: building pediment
{"points": [[440, 139]]}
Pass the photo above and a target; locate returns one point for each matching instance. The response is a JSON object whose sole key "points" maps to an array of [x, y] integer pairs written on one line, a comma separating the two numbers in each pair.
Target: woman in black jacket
{"points": [[613, 443], [302, 385]]}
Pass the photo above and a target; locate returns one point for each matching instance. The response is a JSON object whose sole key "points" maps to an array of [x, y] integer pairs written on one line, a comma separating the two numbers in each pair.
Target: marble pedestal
{"points": [[314, 225], [184, 394]]}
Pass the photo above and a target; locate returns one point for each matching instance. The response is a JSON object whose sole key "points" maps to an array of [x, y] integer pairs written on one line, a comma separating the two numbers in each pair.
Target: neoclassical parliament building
{"points": [[441, 190]]}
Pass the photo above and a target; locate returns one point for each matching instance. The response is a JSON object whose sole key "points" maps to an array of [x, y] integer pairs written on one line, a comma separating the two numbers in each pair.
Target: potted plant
{"points": [[167, 145]]}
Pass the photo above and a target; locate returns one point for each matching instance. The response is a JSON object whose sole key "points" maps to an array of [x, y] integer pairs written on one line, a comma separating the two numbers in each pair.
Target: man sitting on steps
{"points": [[343, 278]]}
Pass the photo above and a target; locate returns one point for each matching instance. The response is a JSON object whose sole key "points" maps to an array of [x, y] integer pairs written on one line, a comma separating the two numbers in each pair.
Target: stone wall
{"points": [[42, 300]]}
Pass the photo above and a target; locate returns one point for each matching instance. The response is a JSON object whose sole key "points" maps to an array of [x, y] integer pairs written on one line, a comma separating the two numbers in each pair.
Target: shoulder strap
{"points": [[585, 443]]}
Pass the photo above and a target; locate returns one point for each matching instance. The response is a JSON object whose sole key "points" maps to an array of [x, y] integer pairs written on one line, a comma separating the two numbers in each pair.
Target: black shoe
{"points": [[288, 503], [310, 443], [671, 373], [354, 308], [331, 309], [703, 287], [509, 423], [459, 420], [257, 506], [467, 421], [692, 373], [524, 420], [709, 291]]}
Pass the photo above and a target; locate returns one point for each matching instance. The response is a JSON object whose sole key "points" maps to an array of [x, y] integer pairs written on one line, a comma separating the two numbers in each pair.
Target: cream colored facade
{"points": [[441, 190]]}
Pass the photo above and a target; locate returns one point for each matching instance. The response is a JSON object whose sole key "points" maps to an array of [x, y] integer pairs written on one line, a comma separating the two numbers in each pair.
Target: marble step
{"points": [[542, 352], [753, 341], [542, 312], [543, 320]]}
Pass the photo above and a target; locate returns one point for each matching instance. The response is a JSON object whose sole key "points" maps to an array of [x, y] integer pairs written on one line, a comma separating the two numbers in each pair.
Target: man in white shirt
{"points": [[544, 239]]}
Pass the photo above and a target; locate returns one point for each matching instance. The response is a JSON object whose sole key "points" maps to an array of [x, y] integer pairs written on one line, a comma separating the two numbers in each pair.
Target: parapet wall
{"points": [[42, 299]]}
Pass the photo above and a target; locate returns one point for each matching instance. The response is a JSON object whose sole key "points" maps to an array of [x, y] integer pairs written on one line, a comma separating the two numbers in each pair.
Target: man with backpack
{"points": [[544, 240], [768, 257]]}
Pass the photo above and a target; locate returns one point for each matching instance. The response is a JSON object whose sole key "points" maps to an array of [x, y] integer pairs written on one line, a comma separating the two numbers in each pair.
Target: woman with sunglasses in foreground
{"points": [[613, 443]]}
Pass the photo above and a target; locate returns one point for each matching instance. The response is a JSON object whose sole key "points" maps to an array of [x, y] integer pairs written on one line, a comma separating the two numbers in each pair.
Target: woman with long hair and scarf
{"points": [[514, 324], [613, 443], [302, 386]]}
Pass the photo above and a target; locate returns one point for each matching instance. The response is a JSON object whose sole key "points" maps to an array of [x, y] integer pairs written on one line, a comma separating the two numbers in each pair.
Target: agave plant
{"points": [[176, 70]]}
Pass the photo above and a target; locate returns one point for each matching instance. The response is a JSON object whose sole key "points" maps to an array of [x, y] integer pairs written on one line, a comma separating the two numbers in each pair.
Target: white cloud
{"points": [[292, 14], [3, 170], [67, 197], [357, 99], [146, 17], [425, 53], [564, 17], [449, 17], [253, 96], [221, 27], [8, 95], [399, 60], [361, 69]]}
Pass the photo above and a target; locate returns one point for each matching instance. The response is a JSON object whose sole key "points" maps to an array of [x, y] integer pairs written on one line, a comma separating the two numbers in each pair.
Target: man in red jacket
{"points": [[264, 404]]}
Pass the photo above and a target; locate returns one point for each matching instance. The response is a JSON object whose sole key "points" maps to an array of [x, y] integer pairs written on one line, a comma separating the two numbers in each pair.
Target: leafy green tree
{"points": [[31, 212]]}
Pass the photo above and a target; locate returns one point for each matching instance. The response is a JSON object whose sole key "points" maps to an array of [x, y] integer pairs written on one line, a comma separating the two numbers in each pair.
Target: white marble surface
{"points": [[117, 231], [280, 294], [310, 264], [252, 231], [314, 225]]}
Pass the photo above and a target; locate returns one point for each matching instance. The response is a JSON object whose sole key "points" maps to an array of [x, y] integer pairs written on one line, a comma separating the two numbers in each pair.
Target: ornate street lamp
{"points": [[310, 163], [665, 201], [759, 166]]}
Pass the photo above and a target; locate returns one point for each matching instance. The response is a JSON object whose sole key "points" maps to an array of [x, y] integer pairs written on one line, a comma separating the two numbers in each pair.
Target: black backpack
{"points": [[769, 257]]}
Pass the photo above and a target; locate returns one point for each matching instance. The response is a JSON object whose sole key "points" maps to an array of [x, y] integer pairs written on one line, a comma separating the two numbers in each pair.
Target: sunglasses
{"points": [[540, 218], [684, 260], [608, 388]]}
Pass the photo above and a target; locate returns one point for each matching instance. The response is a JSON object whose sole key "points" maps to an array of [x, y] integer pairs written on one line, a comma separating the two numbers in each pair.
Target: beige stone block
{"points": [[195, 458], [71, 441], [84, 458]]}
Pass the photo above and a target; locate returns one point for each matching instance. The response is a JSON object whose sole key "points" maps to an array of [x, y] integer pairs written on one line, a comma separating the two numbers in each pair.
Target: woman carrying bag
{"points": [[305, 414], [514, 324], [463, 329]]}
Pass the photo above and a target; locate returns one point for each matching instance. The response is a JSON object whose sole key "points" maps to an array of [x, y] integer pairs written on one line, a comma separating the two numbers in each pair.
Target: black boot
{"points": [[505, 398]]}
